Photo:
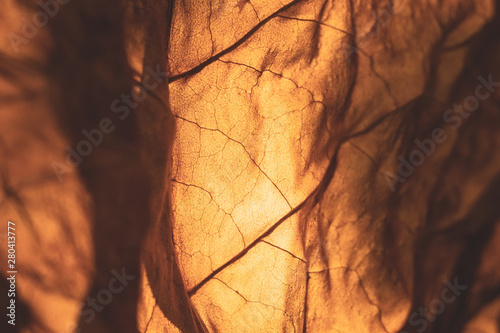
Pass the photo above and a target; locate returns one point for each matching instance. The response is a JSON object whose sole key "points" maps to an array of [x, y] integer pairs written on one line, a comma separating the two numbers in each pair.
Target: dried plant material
{"points": [[252, 165]]}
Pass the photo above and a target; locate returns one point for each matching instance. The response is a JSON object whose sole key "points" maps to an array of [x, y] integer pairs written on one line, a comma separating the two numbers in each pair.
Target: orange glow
{"points": [[251, 165]]}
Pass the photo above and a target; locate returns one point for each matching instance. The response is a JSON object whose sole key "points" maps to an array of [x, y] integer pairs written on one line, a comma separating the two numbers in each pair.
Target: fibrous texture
{"points": [[262, 166]]}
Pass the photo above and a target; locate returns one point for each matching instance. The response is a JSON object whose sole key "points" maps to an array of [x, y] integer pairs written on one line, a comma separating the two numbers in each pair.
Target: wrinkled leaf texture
{"points": [[249, 193]]}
